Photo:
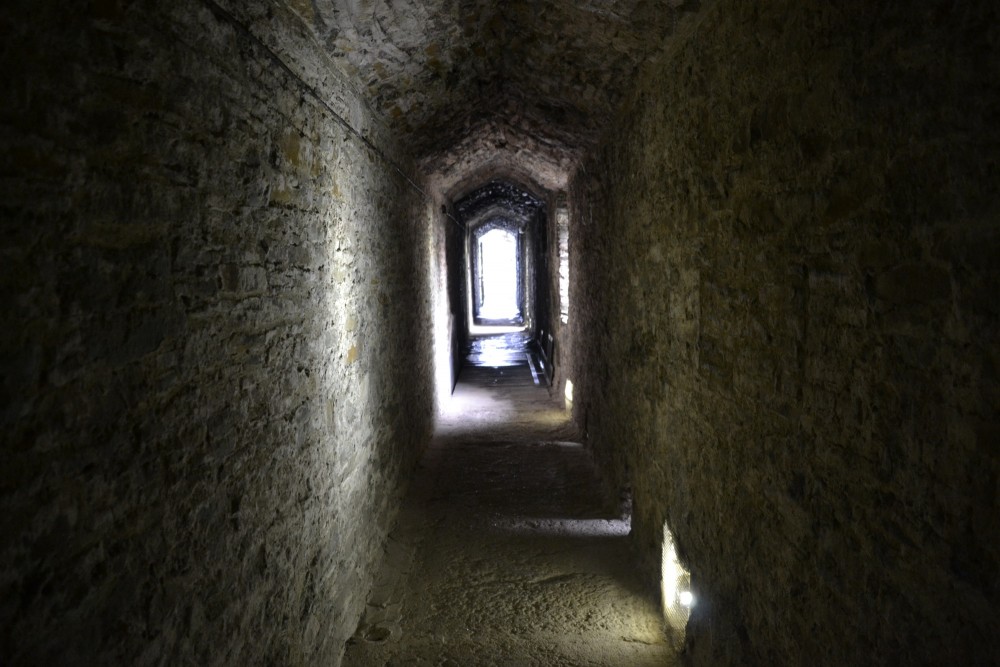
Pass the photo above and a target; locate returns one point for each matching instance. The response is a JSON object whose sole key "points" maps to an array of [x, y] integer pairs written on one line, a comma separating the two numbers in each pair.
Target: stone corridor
{"points": [[744, 255]]}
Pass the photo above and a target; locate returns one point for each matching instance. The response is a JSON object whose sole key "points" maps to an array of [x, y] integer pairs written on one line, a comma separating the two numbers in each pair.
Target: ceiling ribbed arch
{"points": [[499, 199]]}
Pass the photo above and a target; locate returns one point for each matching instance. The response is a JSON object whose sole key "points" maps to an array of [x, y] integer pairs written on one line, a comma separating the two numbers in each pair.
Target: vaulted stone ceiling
{"points": [[465, 81]]}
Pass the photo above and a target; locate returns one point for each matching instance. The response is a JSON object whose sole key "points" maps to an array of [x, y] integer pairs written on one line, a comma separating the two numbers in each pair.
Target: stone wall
{"points": [[786, 329], [458, 298], [544, 251], [556, 340], [209, 401]]}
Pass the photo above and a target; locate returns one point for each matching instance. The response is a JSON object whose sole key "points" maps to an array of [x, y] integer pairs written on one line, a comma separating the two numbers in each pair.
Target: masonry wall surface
{"points": [[556, 341], [786, 327], [209, 401], [458, 308]]}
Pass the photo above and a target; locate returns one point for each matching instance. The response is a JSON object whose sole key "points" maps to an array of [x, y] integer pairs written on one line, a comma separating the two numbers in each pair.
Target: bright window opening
{"points": [[675, 588], [498, 257], [562, 229]]}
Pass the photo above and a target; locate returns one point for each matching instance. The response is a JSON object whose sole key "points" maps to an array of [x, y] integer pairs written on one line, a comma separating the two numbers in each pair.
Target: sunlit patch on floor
{"points": [[499, 392]]}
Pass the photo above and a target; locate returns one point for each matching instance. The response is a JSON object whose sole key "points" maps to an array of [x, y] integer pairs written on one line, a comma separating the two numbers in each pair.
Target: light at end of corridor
{"points": [[675, 587], [568, 391]]}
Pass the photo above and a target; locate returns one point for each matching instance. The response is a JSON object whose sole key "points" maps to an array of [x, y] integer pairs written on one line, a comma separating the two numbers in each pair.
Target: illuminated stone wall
{"points": [[211, 389], [786, 327]]}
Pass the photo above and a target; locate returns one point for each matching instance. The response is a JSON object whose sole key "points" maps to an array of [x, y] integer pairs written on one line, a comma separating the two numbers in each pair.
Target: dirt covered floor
{"points": [[506, 551]]}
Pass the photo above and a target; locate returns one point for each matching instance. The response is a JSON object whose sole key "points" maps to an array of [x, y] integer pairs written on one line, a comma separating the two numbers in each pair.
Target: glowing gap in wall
{"points": [[562, 228], [498, 250], [582, 528], [675, 587], [568, 391]]}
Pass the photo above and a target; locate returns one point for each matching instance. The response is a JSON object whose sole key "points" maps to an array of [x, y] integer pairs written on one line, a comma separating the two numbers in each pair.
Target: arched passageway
{"points": [[758, 248]]}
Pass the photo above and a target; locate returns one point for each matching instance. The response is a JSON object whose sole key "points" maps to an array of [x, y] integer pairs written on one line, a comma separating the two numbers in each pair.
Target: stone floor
{"points": [[506, 552]]}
